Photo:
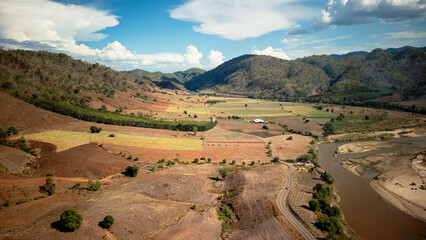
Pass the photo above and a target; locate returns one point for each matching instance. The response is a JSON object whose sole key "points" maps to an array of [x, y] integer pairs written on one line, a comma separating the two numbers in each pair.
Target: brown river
{"points": [[365, 211]]}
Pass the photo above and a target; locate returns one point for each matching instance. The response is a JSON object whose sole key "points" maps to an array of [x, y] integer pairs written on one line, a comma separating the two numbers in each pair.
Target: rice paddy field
{"points": [[65, 140]]}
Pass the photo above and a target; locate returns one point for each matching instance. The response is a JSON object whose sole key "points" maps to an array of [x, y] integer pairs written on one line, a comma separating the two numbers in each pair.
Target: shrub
{"points": [[276, 160], [71, 219], [225, 213], [265, 127], [224, 161], [48, 187], [93, 186], [94, 129], [132, 171], [107, 222], [209, 160], [233, 162], [252, 163], [136, 159], [196, 160]]}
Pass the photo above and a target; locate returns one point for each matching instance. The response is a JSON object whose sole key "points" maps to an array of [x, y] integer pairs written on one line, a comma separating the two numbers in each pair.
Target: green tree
{"points": [[329, 129], [265, 127], [326, 177], [196, 160], [12, 130], [314, 205], [132, 171], [107, 222], [94, 129], [224, 161], [71, 219]]}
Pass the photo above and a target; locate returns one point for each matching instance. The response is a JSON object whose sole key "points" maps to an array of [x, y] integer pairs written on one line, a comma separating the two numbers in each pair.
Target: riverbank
{"points": [[367, 212]]}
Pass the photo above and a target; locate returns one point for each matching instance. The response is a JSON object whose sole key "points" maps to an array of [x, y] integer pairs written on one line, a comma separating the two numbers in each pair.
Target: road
{"points": [[281, 203]]}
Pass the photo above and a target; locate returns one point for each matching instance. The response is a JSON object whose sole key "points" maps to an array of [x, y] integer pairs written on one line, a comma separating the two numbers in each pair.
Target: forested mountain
{"points": [[395, 72]]}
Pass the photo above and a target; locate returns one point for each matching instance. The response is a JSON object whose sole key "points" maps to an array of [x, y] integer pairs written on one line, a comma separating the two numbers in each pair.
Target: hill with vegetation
{"points": [[60, 84], [380, 73], [172, 81], [264, 77]]}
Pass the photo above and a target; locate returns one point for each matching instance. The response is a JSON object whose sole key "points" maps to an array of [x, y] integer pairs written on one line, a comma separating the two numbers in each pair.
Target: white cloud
{"points": [[293, 44], [349, 12], [56, 27], [269, 51], [193, 56], [290, 40], [54, 24], [406, 35], [237, 20], [215, 58]]}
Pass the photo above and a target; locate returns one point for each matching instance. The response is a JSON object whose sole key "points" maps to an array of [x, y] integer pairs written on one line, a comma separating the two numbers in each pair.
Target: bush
{"points": [[93, 186], [71, 219], [224, 161], [225, 213], [196, 160], [48, 187], [107, 222], [265, 127], [94, 129], [132, 171]]}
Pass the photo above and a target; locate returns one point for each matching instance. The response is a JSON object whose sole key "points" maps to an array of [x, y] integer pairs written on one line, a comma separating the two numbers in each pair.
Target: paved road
{"points": [[281, 200]]}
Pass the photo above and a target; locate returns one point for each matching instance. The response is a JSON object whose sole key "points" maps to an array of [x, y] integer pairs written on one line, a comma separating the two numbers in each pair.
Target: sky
{"points": [[174, 35]]}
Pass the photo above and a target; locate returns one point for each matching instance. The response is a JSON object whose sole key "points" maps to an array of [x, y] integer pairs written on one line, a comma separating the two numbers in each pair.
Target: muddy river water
{"points": [[365, 211]]}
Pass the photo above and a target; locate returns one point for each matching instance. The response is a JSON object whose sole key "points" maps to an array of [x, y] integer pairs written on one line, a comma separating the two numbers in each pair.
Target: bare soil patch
{"points": [[14, 160], [290, 149], [78, 161], [255, 205]]}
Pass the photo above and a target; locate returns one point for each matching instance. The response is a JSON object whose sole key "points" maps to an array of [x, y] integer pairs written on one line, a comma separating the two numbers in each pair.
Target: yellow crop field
{"points": [[190, 109], [66, 139]]}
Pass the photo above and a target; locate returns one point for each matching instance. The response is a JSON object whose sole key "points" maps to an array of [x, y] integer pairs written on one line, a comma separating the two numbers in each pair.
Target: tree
{"points": [[265, 127], [104, 107], [233, 162], [107, 222], [132, 171], [314, 205], [12, 130], [328, 129], [48, 187], [224, 161], [94, 129], [252, 163], [71, 219], [195, 129], [196, 160], [326, 177]]}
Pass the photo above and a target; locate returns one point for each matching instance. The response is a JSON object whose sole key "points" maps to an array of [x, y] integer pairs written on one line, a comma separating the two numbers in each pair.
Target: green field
{"points": [[189, 108], [272, 109], [65, 140]]}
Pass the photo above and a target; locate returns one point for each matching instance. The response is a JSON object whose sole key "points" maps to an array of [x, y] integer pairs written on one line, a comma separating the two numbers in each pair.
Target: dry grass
{"points": [[65, 140]]}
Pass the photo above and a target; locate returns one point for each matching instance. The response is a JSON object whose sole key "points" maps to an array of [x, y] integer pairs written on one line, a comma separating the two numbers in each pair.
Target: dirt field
{"points": [[14, 160], [299, 123], [290, 149], [78, 162], [258, 215], [152, 205]]}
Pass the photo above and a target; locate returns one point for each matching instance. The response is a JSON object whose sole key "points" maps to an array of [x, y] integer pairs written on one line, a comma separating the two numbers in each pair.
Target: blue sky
{"points": [[171, 35]]}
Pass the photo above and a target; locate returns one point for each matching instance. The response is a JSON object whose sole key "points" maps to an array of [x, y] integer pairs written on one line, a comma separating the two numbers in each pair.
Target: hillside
{"points": [[263, 76], [43, 75], [171, 81], [395, 72]]}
